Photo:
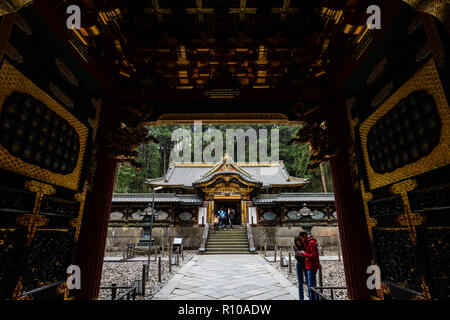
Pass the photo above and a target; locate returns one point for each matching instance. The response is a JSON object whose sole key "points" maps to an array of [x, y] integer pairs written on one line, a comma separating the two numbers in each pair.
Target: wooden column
{"points": [[94, 227], [352, 228]]}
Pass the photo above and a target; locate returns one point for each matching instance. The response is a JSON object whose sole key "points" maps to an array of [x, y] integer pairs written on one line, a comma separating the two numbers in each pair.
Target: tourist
{"points": [[230, 217], [299, 246], [223, 218], [216, 223], [312, 263], [220, 214]]}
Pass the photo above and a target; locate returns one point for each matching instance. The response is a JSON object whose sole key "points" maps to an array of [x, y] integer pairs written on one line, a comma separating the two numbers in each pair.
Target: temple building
{"points": [[260, 193]]}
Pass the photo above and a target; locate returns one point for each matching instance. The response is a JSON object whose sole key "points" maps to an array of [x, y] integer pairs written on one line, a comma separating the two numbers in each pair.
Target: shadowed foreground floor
{"points": [[228, 277]]}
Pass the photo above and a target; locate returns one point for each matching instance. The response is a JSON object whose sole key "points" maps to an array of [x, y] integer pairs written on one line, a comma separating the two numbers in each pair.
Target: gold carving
{"points": [[76, 223], [34, 220], [12, 80], [409, 219], [10, 6], [371, 222], [62, 288], [425, 289], [404, 186], [426, 78], [17, 293], [437, 8]]}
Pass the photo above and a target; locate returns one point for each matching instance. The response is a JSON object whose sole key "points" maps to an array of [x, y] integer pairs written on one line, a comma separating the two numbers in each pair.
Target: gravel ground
{"points": [[332, 275], [124, 274]]}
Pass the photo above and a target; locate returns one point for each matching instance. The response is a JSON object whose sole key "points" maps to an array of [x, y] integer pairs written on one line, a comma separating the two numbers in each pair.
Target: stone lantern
{"points": [[147, 224], [306, 218]]}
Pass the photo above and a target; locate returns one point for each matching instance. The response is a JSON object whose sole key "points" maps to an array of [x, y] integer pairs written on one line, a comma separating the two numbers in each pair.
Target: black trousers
{"points": [[216, 227]]}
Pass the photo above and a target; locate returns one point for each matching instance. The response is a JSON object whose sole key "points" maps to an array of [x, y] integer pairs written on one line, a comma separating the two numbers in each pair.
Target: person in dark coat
{"points": [[299, 246], [230, 217], [312, 263]]}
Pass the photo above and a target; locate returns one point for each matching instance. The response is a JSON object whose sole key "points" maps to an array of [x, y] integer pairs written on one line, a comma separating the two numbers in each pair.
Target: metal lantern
{"points": [[306, 218], [147, 225]]}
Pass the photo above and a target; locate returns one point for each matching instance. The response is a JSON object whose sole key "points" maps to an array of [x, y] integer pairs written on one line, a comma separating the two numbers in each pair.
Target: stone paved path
{"points": [[228, 277]]}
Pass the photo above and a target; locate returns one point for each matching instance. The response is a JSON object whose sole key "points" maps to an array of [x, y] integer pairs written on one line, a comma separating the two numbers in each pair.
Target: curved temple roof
{"points": [[189, 174]]}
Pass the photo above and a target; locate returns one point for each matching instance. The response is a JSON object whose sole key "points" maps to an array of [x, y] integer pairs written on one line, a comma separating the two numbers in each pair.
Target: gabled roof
{"points": [[188, 174], [159, 198], [267, 199]]}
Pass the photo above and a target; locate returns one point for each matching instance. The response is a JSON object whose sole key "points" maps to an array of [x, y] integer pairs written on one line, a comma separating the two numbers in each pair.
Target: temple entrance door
{"points": [[234, 204]]}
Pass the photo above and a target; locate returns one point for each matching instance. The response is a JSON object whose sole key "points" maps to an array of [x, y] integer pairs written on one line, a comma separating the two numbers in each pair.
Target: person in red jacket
{"points": [[312, 263]]}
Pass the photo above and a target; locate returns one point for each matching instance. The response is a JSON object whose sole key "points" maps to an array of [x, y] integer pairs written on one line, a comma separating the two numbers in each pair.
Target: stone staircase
{"points": [[228, 241]]}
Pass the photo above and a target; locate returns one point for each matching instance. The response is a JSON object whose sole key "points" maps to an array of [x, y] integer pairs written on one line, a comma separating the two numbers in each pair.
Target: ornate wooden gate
{"points": [[400, 119]]}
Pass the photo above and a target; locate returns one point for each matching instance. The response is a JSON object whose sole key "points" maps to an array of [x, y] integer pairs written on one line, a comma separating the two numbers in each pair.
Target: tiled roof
{"points": [[269, 174], [159, 198], [293, 197]]}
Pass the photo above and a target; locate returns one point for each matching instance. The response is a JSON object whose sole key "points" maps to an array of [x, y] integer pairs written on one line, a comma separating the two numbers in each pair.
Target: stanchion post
{"points": [[113, 291], [159, 269], [144, 278], [290, 261]]}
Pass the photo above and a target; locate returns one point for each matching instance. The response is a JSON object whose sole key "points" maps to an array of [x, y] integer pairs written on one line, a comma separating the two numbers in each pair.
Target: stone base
{"points": [[119, 237]]}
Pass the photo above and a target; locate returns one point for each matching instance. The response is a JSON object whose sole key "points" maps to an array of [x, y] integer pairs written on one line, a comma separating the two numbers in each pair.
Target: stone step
{"points": [[228, 233], [230, 241], [226, 252], [227, 249], [214, 246], [226, 236], [227, 239]]}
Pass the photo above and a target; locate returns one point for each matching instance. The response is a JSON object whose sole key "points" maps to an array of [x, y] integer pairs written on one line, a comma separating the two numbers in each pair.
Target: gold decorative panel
{"points": [[427, 78], [11, 80]]}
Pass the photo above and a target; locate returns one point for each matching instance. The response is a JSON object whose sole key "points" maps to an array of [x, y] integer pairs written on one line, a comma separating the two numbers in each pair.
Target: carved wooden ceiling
{"points": [[203, 50]]}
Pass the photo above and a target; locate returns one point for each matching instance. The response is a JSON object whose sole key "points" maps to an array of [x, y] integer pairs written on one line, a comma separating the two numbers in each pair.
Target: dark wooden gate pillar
{"points": [[94, 227], [353, 232]]}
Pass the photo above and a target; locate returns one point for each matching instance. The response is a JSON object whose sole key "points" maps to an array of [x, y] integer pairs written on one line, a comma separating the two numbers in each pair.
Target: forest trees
{"points": [[155, 158]]}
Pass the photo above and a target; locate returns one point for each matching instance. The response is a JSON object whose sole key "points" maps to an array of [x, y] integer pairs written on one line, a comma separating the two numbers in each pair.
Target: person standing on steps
{"points": [[216, 223], [223, 218], [230, 217], [221, 214]]}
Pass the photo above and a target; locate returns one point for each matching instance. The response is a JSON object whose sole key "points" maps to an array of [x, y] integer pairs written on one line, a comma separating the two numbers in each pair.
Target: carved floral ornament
{"points": [[316, 130], [123, 143]]}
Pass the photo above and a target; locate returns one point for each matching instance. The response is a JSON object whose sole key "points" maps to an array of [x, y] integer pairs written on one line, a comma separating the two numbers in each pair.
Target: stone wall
{"points": [[119, 237]]}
